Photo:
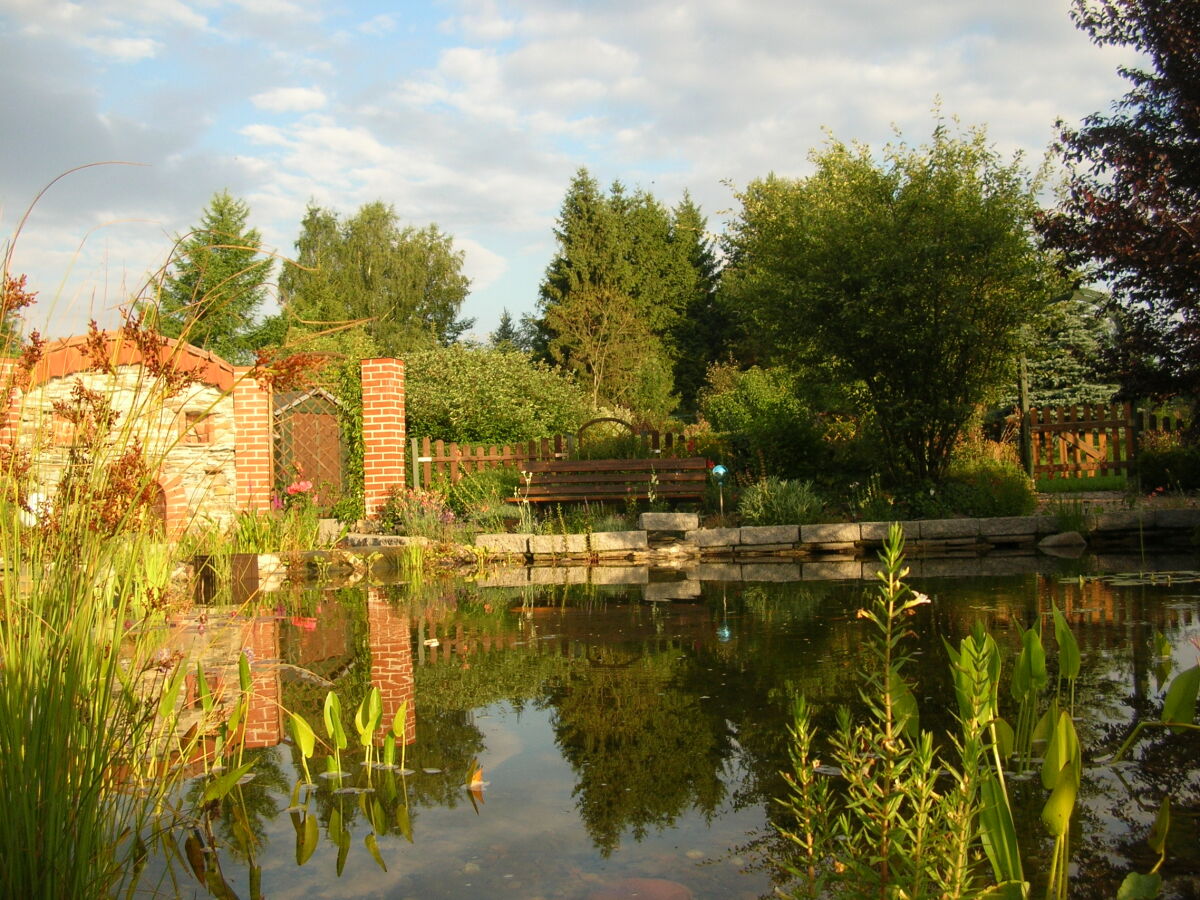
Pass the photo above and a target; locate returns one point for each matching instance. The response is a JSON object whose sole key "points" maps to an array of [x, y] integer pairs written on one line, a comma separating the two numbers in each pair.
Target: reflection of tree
{"points": [[643, 749]]}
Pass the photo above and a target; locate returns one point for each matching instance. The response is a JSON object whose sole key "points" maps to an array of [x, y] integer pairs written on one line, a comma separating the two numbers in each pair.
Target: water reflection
{"points": [[627, 733]]}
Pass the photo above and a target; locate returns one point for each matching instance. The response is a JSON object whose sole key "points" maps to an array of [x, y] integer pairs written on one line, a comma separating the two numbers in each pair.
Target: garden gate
{"points": [[308, 444]]}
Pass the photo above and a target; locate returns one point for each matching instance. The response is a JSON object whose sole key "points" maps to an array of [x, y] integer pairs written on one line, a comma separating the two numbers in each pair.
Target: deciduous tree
{"points": [[910, 275], [1131, 212], [405, 282]]}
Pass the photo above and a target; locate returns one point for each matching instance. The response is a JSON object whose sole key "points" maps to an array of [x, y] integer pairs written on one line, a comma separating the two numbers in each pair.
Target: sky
{"points": [[474, 115]]}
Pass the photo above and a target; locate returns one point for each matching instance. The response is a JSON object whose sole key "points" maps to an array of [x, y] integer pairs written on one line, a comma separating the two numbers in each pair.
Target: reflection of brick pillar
{"points": [[383, 429], [252, 441], [264, 722], [391, 661]]}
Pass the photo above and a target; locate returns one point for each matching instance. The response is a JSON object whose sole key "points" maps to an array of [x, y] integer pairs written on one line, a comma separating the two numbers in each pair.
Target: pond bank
{"points": [[667, 536]]}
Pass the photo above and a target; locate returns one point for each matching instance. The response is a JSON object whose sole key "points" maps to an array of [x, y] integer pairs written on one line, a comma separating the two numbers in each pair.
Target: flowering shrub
{"points": [[420, 513]]}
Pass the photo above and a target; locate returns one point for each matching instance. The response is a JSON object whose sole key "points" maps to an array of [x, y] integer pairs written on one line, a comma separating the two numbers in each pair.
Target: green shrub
{"points": [[480, 498], [766, 427], [477, 394], [775, 501], [1169, 469], [987, 487]]}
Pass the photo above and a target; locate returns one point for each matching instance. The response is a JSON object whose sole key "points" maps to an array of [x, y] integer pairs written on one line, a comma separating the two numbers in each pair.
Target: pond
{"points": [[633, 748]]}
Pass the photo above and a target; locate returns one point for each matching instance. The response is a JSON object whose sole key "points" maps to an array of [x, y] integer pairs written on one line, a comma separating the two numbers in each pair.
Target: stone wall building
{"points": [[210, 442]]}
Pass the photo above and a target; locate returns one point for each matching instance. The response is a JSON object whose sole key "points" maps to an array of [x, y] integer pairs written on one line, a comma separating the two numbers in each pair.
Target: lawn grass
{"points": [[1077, 485]]}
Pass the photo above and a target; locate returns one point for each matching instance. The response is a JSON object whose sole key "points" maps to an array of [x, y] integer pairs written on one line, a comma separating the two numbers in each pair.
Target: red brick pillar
{"points": [[391, 661], [383, 430], [10, 402], [264, 719], [252, 441]]}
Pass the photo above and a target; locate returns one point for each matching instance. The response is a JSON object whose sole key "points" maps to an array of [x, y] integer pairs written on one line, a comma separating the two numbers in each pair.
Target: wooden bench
{"points": [[612, 480]]}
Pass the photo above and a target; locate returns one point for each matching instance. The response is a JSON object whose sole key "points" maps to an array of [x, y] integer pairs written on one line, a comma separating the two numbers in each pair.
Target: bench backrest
{"points": [[614, 479]]}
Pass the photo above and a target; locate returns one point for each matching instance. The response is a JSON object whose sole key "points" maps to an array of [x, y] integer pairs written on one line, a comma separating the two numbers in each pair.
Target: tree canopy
{"points": [[631, 271], [1131, 212], [910, 276], [216, 283], [406, 282]]}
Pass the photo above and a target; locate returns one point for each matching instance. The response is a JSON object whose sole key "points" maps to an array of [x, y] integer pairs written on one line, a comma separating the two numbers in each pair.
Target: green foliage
{"points": [[617, 300], [775, 501], [476, 394], [1081, 485], [984, 487], [1169, 469], [216, 283], [1065, 353], [407, 283], [767, 428], [892, 831], [480, 498], [418, 513], [909, 276]]}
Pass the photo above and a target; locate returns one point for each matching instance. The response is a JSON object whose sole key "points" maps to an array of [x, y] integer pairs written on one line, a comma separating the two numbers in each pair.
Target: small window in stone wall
{"points": [[197, 427]]}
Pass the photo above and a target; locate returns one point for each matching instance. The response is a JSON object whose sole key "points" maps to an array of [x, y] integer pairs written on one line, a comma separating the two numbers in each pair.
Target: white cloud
{"points": [[378, 25], [124, 49], [483, 266], [293, 99]]}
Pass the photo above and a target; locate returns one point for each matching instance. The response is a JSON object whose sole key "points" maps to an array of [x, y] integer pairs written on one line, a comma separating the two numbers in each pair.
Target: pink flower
{"points": [[299, 487]]}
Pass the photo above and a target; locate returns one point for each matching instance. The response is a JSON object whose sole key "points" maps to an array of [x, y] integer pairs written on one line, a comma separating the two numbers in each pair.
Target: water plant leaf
{"points": [[1179, 706], [343, 852], [368, 714], [222, 785], [193, 850], [1044, 729], [1006, 739], [400, 721], [202, 690], [303, 735], [1140, 887], [244, 679], [373, 846], [1162, 825], [1056, 814], [1062, 753], [404, 822], [1029, 673], [1069, 659], [999, 833], [389, 749], [333, 721], [170, 694]]}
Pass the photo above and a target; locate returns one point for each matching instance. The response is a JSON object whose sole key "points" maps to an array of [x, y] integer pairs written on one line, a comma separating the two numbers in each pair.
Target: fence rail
{"points": [[442, 460], [1089, 440]]}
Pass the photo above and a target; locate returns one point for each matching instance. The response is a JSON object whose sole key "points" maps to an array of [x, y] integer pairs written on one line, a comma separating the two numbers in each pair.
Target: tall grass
{"points": [[87, 698]]}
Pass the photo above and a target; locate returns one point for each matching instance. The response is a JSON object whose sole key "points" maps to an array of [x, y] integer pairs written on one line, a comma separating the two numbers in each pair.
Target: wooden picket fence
{"points": [[448, 461], [1090, 440]]}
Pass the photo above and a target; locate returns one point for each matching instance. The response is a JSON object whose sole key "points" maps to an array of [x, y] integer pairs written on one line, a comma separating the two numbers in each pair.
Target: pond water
{"points": [[621, 739]]}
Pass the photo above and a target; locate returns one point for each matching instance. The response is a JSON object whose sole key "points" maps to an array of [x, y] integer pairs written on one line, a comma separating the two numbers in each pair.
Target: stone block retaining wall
{"points": [[678, 535]]}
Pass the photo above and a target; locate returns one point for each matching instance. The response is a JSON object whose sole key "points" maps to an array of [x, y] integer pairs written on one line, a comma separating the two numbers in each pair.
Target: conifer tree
{"points": [[217, 282]]}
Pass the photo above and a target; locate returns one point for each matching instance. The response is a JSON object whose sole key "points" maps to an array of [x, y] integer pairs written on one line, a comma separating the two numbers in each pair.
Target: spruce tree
{"points": [[217, 282]]}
